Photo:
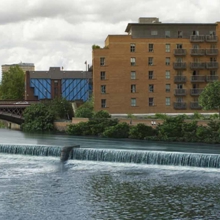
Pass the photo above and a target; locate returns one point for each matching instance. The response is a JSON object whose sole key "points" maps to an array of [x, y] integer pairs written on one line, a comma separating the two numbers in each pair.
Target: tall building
{"points": [[24, 66], [156, 68], [71, 85]]}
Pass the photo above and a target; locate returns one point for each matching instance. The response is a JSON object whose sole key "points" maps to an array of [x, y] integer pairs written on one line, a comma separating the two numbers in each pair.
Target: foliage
{"points": [[140, 131], [86, 109], [12, 85], [38, 117], [94, 46], [2, 125], [209, 99], [197, 115], [161, 116], [102, 114], [120, 130], [81, 128]]}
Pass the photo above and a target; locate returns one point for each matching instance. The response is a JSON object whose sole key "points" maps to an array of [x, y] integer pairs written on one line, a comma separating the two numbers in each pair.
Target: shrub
{"points": [[102, 114], [161, 116], [82, 112], [120, 130], [81, 128], [140, 131]]}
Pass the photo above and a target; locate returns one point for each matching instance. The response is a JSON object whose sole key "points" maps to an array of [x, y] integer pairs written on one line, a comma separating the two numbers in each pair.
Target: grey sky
{"points": [[61, 33]]}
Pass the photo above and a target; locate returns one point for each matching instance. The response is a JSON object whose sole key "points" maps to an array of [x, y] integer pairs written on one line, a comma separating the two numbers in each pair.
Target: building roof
{"points": [[19, 64]]}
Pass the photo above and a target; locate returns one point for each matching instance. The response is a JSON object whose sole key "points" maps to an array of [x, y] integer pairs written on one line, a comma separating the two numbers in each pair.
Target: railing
{"points": [[197, 78], [212, 52], [180, 92], [179, 65], [195, 105], [180, 52], [195, 92], [197, 52], [211, 38], [179, 105], [197, 65], [180, 79], [212, 65], [197, 38], [211, 78]]}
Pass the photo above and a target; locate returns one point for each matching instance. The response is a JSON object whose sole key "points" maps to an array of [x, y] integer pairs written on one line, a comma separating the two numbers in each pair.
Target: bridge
{"points": [[12, 110]]}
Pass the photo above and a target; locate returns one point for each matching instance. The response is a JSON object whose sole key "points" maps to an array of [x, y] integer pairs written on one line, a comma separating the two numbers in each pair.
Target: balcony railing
{"points": [[197, 52], [179, 65], [197, 78], [211, 38], [179, 105], [197, 38], [212, 65], [212, 52], [197, 65], [180, 52], [180, 92], [180, 79], [195, 105], [195, 92], [211, 78]]}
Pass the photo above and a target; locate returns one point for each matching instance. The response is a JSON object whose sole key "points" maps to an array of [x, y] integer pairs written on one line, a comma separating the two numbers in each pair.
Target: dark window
{"points": [[103, 103], [102, 75]]}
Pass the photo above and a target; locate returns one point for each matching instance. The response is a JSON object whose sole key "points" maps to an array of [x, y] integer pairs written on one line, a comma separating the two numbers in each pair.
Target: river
{"points": [[37, 187]]}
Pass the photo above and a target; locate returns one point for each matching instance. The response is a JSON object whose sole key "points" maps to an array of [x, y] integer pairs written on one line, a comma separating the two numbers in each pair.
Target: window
{"points": [[132, 47], [167, 87], [195, 46], [151, 101], [103, 88], [150, 47], [180, 34], [151, 88], [167, 34], [153, 32], [212, 73], [167, 62], [213, 46], [150, 74], [167, 100], [179, 46], [195, 33], [102, 75], [179, 99], [167, 74], [133, 88], [150, 61], [212, 33], [103, 103], [167, 48], [179, 86], [179, 60], [133, 61], [102, 61], [179, 73], [133, 75], [133, 102]]}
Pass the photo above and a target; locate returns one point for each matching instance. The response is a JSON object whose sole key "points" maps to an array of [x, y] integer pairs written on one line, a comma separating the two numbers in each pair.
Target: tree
{"points": [[209, 99], [12, 85]]}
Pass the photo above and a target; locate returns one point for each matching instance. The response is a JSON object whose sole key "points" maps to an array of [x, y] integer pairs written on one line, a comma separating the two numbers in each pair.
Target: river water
{"points": [[36, 187]]}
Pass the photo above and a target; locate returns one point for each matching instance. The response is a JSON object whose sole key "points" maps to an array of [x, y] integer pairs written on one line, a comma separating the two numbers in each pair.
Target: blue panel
{"points": [[42, 88]]}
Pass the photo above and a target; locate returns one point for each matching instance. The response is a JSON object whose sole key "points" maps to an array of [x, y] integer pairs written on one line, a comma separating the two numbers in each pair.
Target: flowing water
{"points": [[106, 179]]}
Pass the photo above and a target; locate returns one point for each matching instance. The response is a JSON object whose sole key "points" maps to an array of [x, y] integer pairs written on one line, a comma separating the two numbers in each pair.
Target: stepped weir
{"points": [[117, 155]]}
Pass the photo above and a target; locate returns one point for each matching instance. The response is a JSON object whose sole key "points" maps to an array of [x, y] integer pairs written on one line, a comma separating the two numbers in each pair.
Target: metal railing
{"points": [[197, 78], [197, 38], [212, 52], [197, 52], [179, 105], [212, 65], [211, 78], [180, 52], [180, 92], [195, 92], [180, 79], [179, 65], [197, 65], [195, 105], [211, 38]]}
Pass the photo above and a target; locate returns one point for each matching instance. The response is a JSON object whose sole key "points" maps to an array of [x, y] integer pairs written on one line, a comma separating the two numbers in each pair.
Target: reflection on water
{"points": [[43, 188]]}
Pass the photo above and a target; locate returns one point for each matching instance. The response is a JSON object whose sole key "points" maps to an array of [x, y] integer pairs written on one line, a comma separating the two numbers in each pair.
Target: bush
{"points": [[102, 114], [81, 128], [140, 131], [120, 130], [82, 112]]}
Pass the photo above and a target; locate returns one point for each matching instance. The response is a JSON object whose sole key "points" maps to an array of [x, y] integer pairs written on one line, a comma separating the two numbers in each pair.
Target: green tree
{"points": [[38, 117], [12, 85], [86, 109], [209, 99]]}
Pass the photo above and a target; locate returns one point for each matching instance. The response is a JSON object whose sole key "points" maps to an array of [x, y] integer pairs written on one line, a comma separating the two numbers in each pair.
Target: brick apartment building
{"points": [[156, 68], [71, 85]]}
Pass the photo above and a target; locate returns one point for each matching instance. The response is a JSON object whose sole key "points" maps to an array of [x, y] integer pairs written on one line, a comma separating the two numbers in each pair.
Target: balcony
{"points": [[179, 105], [180, 92], [195, 92], [211, 78], [197, 65], [212, 65], [179, 65], [180, 52], [212, 52], [197, 78], [197, 52], [195, 105], [211, 38], [180, 79], [197, 38]]}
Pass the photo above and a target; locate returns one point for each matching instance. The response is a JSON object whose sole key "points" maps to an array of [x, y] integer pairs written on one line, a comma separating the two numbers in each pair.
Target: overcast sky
{"points": [[62, 32]]}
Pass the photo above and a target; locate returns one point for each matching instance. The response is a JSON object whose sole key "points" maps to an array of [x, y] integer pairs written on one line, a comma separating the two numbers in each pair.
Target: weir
{"points": [[149, 157]]}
